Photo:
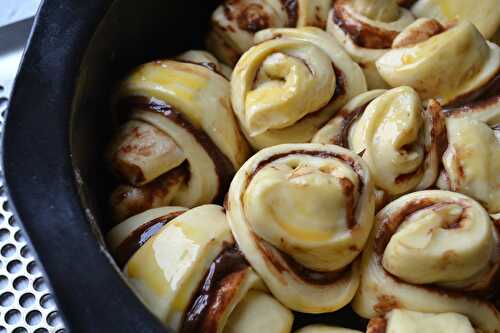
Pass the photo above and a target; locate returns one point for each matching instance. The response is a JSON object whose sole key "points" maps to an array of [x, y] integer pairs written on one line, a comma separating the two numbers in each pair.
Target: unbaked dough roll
{"points": [[484, 14], [432, 251], [410, 321], [324, 329], [234, 23], [179, 143], [194, 279], [452, 64], [366, 29], [400, 140], [290, 84], [472, 160], [301, 214]]}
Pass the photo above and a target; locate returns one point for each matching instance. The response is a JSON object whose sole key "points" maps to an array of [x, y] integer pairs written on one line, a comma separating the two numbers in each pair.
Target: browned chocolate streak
{"points": [[484, 92], [223, 166], [253, 18], [471, 107], [361, 33], [377, 325], [350, 201], [416, 35], [283, 262], [391, 223], [404, 177], [127, 200], [340, 83], [317, 153], [291, 8], [348, 118], [439, 139], [406, 3], [216, 291], [140, 236]]}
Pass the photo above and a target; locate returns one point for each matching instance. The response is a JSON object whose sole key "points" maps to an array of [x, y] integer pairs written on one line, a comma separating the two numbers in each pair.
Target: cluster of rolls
{"points": [[324, 154]]}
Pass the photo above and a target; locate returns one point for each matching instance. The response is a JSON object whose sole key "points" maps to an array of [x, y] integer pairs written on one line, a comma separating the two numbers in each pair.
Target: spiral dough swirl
{"points": [[432, 251], [471, 163], [401, 141], [366, 30], [273, 82], [453, 64], [301, 214]]}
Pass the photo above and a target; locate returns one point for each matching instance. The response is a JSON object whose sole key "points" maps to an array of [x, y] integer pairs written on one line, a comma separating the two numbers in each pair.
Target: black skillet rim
{"points": [[40, 179]]}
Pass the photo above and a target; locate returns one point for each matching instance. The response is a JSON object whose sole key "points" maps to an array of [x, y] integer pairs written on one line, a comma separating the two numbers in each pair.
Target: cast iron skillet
{"points": [[56, 129]]}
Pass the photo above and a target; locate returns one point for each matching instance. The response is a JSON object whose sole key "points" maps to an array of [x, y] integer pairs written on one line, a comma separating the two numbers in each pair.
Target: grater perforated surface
{"points": [[26, 303]]}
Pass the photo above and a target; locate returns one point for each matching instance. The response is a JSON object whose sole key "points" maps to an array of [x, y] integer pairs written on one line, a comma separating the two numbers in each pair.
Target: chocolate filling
{"points": [[423, 32], [253, 18], [128, 200], [140, 236], [391, 223], [439, 136], [348, 118], [223, 166], [361, 33], [292, 10], [317, 153], [476, 106], [405, 177], [406, 3], [489, 90], [283, 262], [377, 325], [217, 290], [340, 85]]}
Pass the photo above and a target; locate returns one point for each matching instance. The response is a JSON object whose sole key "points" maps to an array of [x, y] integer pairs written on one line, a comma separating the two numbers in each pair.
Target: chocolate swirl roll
{"points": [[324, 329], [471, 163], [289, 85], [432, 251], [301, 214], [191, 275], [234, 23], [179, 142], [411, 321], [452, 64], [399, 139], [483, 14], [366, 29]]}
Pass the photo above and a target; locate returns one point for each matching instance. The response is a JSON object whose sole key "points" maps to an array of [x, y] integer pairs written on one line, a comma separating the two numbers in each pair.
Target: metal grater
{"points": [[26, 303]]}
